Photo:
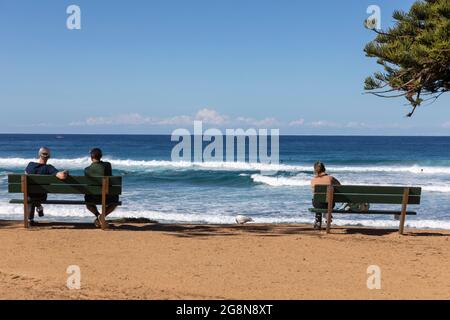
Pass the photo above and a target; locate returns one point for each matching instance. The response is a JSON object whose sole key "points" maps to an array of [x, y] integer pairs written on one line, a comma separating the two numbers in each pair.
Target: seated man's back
{"points": [[41, 168], [99, 169], [322, 178]]}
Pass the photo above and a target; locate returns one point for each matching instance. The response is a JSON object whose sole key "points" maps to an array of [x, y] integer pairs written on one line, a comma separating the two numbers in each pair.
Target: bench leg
{"points": [[102, 220], [26, 221], [330, 201], [403, 215], [328, 221], [102, 217], [26, 211]]}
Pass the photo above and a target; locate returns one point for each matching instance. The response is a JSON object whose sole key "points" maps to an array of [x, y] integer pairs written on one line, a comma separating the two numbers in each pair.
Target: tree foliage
{"points": [[414, 53]]}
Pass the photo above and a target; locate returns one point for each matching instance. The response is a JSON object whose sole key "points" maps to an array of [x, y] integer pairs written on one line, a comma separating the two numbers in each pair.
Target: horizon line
{"points": [[169, 134]]}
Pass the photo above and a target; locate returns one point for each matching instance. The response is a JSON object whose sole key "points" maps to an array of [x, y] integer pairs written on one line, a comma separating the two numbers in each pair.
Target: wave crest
{"points": [[131, 164], [280, 181]]}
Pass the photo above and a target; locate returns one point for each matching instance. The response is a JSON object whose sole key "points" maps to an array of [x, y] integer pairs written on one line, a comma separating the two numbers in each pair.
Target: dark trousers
{"points": [[97, 200], [320, 205], [34, 200]]}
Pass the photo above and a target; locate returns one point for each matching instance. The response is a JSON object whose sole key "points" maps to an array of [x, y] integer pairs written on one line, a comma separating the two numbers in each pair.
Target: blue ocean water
{"points": [[215, 192]]}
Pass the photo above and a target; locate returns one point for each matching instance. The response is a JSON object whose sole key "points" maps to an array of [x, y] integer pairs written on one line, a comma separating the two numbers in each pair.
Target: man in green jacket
{"points": [[98, 168]]}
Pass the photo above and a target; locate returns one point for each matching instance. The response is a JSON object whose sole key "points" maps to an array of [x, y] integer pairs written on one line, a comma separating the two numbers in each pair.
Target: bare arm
{"points": [[62, 175]]}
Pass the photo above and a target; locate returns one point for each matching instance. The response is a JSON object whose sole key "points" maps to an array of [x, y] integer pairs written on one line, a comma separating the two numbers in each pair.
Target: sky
{"points": [[147, 67]]}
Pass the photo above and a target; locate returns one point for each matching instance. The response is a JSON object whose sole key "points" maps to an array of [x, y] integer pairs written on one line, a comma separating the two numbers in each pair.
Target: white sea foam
{"points": [[3, 175], [299, 181], [14, 163], [280, 181], [77, 213], [419, 224], [129, 164], [437, 188], [416, 169], [227, 166], [430, 188]]}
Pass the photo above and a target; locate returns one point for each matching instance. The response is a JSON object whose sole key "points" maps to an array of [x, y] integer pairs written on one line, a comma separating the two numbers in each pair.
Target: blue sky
{"points": [[152, 66]]}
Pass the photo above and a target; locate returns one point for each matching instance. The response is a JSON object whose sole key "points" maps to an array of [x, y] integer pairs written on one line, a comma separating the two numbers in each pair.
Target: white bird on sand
{"points": [[243, 219]]}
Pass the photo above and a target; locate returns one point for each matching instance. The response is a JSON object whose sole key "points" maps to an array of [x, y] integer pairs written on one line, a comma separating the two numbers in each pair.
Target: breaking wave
{"points": [[130, 164]]}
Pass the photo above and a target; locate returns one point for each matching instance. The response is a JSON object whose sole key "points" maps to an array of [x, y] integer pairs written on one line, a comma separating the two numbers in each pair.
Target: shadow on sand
{"points": [[203, 230]]}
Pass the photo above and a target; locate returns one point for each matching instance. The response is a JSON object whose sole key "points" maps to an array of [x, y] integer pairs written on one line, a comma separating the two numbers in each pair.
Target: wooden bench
{"points": [[40, 184], [365, 194]]}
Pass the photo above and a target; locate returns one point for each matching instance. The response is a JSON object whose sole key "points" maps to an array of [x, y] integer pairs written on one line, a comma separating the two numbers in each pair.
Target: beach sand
{"points": [[166, 261]]}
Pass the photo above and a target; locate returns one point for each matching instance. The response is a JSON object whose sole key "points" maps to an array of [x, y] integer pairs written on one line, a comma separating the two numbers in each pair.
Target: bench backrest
{"points": [[369, 194], [72, 185]]}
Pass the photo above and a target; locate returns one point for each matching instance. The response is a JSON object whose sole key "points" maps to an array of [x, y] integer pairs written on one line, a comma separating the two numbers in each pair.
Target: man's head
{"points": [[319, 168], [96, 154], [44, 154]]}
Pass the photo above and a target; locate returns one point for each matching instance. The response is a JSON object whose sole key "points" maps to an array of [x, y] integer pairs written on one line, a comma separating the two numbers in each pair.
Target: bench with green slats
{"points": [[40, 184], [329, 195]]}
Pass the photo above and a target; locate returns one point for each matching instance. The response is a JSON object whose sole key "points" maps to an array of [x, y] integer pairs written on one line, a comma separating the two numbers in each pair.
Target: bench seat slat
{"points": [[382, 190], [393, 212], [64, 189], [42, 180], [363, 198], [66, 202]]}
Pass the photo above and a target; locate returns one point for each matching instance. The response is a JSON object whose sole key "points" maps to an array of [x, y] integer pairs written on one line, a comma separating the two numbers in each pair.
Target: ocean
{"points": [[215, 192]]}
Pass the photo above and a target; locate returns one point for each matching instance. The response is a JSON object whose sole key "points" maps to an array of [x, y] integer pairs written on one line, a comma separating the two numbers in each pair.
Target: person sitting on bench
{"points": [[41, 167], [99, 168], [322, 178]]}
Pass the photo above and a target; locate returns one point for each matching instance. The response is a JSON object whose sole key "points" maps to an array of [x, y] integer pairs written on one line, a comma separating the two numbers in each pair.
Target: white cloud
{"points": [[177, 120], [446, 124], [297, 123], [132, 119], [266, 122], [214, 118], [126, 119], [356, 125], [207, 116], [211, 117], [324, 124]]}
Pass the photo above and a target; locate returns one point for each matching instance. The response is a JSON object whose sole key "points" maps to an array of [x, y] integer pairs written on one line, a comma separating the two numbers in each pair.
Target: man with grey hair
{"points": [[41, 167]]}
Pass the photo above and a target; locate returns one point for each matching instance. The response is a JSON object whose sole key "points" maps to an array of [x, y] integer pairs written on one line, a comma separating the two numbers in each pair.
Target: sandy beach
{"points": [[164, 261]]}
